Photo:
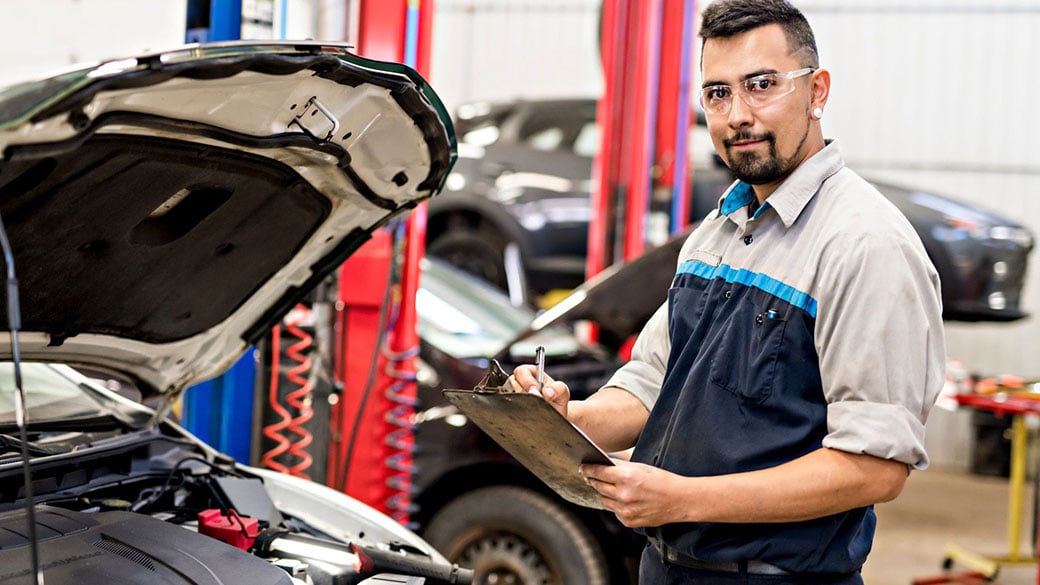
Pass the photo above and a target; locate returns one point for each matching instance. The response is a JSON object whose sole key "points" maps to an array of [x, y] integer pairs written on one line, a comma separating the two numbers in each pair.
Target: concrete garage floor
{"points": [[939, 507]]}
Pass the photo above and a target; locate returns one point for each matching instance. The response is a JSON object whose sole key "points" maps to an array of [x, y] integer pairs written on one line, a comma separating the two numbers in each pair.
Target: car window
{"points": [[49, 395], [482, 135], [480, 124], [560, 126], [587, 142], [546, 140], [462, 316], [466, 317]]}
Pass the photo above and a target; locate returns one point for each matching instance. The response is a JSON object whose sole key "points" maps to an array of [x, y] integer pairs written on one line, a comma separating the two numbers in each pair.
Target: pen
{"points": [[539, 359]]}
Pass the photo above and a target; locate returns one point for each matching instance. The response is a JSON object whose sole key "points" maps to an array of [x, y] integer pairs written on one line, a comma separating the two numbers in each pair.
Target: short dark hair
{"points": [[726, 18]]}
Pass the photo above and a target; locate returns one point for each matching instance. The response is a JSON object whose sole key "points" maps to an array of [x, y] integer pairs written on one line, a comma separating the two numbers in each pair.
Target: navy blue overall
{"points": [[743, 392]]}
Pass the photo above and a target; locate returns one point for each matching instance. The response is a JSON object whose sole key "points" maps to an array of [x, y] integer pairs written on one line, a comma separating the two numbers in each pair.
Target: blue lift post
{"points": [[207, 405], [229, 393]]}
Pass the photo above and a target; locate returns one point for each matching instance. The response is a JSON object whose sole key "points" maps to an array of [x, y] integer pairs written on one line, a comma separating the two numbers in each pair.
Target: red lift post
{"points": [[643, 115], [644, 119], [370, 450], [671, 175]]}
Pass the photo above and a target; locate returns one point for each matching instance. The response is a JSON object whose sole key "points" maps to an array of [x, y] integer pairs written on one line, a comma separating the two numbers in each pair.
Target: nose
{"points": [[739, 113]]}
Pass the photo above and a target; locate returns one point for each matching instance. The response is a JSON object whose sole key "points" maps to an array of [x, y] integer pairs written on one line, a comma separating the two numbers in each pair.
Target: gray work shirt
{"points": [[853, 263]]}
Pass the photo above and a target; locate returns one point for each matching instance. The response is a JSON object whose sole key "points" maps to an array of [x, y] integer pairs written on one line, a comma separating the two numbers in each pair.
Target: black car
{"points": [[163, 212], [475, 503], [516, 210]]}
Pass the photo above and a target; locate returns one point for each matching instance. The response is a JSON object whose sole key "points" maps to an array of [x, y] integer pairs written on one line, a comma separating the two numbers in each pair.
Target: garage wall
{"points": [[504, 49], [45, 35]]}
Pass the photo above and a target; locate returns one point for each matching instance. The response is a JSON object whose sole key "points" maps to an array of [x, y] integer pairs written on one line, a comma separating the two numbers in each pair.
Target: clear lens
{"points": [[763, 89], [755, 91], [716, 99]]}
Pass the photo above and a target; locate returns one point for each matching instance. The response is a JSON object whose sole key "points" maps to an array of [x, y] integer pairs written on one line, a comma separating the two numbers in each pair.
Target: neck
{"points": [[754, 205]]}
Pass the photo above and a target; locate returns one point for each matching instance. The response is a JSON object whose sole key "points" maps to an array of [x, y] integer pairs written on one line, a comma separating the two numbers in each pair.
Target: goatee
{"points": [[758, 169]]}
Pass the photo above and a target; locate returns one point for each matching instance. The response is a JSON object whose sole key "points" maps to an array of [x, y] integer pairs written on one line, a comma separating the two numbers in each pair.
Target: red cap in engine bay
{"points": [[238, 531]]}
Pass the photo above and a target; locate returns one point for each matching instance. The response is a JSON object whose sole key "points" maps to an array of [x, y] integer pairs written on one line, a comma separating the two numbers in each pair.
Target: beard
{"points": [[758, 169]]}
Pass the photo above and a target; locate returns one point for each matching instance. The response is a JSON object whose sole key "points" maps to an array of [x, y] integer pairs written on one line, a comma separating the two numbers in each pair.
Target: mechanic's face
{"points": [[764, 143]]}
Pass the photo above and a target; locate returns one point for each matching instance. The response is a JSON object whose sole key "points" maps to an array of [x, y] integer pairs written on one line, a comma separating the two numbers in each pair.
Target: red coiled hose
{"points": [[298, 399], [401, 440], [273, 431]]}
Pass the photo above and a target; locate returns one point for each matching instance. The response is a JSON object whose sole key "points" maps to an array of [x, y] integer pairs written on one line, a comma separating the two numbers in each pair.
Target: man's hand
{"points": [[611, 417], [819, 483], [525, 379], [638, 494]]}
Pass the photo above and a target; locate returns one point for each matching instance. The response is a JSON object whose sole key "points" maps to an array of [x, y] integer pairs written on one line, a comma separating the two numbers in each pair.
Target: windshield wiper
{"points": [[13, 443], [93, 422]]}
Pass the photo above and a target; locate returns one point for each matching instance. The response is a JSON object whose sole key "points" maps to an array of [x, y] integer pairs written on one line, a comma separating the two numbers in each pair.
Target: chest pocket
{"points": [[744, 354]]}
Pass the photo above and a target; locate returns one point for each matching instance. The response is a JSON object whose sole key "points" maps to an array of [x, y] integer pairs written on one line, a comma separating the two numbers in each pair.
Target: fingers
{"points": [[515, 384], [556, 393], [639, 494], [622, 493], [604, 486], [525, 378], [597, 474]]}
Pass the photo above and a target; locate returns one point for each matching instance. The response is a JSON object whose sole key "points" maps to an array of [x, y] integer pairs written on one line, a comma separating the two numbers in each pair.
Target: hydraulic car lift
{"points": [[370, 409], [642, 175]]}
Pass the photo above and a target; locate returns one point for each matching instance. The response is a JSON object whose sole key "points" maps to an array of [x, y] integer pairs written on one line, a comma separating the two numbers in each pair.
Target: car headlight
{"points": [[997, 301], [957, 228], [534, 215], [1018, 235]]}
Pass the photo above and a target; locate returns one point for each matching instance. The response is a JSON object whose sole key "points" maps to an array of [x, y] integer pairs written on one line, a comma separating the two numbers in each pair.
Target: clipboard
{"points": [[534, 433]]}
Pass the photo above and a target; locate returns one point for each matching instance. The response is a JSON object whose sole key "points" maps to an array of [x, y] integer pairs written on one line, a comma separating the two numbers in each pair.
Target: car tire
{"points": [[479, 251], [512, 535]]}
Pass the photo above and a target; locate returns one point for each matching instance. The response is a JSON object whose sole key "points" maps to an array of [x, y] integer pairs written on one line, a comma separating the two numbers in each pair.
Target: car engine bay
{"points": [[148, 506]]}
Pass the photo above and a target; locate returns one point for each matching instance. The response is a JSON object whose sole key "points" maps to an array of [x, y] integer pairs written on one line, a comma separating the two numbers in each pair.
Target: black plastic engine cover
{"points": [[123, 547]]}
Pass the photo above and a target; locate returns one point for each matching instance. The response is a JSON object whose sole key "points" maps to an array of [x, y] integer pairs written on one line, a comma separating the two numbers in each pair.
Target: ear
{"points": [[820, 88]]}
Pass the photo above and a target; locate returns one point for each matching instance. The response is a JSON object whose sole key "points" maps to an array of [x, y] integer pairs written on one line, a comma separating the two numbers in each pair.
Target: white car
{"points": [[163, 212]]}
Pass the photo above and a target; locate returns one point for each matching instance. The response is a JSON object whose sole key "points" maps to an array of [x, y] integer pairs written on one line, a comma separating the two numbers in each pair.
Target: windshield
{"points": [[50, 394], [468, 318], [462, 316]]}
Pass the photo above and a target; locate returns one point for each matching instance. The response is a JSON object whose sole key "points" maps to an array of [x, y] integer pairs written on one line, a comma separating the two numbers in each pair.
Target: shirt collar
{"points": [[791, 197]]}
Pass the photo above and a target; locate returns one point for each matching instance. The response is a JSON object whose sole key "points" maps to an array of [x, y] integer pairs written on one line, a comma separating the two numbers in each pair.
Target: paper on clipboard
{"points": [[534, 433]]}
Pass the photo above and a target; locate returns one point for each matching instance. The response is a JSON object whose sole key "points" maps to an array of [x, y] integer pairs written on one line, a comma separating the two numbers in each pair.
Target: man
{"points": [[783, 388]]}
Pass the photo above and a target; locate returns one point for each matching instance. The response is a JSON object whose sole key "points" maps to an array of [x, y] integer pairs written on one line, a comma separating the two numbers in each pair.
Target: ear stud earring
{"points": [[817, 113]]}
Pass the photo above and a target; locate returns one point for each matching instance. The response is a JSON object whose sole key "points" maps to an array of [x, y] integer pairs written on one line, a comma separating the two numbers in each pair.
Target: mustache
{"points": [[745, 135]]}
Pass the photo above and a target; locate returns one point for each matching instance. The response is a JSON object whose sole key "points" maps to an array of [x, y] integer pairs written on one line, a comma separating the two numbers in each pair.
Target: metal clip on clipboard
{"points": [[534, 433]]}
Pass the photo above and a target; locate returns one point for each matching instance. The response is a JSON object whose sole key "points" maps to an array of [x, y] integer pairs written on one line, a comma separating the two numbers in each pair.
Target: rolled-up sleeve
{"points": [[881, 346], [643, 375]]}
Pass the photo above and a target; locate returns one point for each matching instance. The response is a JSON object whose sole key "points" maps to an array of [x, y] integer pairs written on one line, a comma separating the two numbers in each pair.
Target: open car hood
{"points": [[606, 299], [164, 211]]}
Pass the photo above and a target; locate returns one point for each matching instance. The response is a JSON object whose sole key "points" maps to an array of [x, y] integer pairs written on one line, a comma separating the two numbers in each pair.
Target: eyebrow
{"points": [[708, 84]]}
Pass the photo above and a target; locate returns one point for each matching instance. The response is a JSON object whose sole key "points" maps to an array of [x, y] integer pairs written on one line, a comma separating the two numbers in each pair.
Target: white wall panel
{"points": [[504, 49], [301, 18], [43, 35], [927, 87]]}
